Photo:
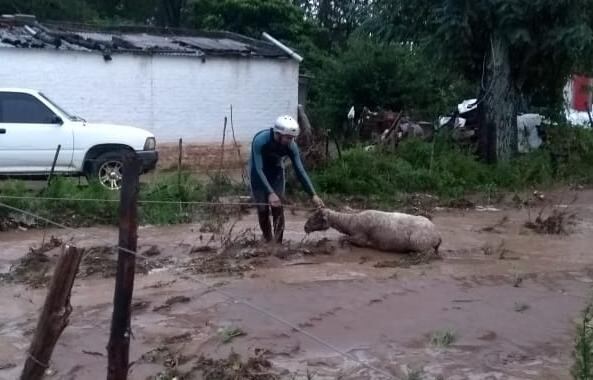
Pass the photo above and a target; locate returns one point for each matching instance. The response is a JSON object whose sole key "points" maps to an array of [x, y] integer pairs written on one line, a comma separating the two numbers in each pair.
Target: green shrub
{"points": [[446, 170]]}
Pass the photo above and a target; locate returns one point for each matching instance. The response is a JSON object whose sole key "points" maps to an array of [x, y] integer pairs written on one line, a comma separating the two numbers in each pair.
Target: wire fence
{"points": [[173, 202], [209, 288], [263, 311]]}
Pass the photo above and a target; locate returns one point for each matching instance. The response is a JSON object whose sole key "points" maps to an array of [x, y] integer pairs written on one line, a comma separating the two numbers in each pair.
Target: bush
{"points": [[444, 169], [161, 202]]}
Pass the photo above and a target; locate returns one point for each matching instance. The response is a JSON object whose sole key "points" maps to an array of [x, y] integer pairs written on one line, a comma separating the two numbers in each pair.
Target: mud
{"points": [[36, 267], [501, 303], [12, 221]]}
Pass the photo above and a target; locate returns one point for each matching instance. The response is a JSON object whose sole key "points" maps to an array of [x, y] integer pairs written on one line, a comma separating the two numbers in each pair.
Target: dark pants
{"points": [[258, 191]]}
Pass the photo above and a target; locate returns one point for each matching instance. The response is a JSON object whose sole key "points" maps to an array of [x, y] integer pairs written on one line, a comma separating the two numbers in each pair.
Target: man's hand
{"points": [[317, 202], [274, 200]]}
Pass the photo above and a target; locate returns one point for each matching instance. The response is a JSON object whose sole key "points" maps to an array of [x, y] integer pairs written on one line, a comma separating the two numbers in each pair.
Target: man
{"points": [[268, 150]]}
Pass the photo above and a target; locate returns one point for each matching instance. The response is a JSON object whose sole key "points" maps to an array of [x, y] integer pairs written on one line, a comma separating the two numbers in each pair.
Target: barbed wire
{"points": [[169, 202], [227, 295]]}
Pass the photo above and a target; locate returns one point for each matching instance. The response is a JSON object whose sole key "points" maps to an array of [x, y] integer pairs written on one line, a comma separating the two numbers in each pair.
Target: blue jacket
{"points": [[266, 159]]}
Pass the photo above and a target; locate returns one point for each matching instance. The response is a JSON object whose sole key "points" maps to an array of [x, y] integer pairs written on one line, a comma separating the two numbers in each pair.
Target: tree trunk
{"points": [[498, 134]]}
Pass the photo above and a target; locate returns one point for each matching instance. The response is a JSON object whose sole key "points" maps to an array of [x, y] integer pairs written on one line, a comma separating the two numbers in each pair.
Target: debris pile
{"points": [[102, 261], [555, 224], [232, 368], [245, 252], [387, 128], [36, 267], [408, 261], [13, 221], [464, 126]]}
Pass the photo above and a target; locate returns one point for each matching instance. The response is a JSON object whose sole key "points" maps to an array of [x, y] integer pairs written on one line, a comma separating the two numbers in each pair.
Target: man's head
{"points": [[286, 129]]}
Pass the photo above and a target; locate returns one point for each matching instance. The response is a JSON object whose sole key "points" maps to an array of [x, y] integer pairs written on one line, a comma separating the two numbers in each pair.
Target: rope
{"points": [[227, 295]]}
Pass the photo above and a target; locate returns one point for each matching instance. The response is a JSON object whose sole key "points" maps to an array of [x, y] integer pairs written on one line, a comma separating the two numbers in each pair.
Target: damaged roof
{"points": [[16, 32]]}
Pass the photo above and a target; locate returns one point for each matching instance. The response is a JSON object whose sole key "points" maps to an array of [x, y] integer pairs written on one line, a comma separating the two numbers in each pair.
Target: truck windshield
{"points": [[73, 118]]}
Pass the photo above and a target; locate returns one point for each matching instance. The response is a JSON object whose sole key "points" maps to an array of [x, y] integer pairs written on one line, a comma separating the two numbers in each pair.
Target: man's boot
{"points": [[263, 215], [278, 218]]}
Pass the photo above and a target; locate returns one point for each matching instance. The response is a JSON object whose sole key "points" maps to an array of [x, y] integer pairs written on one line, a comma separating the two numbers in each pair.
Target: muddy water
{"points": [[510, 298]]}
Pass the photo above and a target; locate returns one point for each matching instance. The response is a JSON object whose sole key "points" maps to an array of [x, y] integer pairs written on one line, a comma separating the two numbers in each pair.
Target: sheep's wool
{"points": [[388, 231]]}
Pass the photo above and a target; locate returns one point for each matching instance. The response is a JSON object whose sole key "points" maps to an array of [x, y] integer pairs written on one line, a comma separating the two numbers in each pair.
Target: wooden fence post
{"points": [[54, 316], [179, 165], [119, 340], [222, 148]]}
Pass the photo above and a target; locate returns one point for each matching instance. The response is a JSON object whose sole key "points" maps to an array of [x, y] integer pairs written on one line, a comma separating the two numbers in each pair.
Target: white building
{"points": [[175, 86]]}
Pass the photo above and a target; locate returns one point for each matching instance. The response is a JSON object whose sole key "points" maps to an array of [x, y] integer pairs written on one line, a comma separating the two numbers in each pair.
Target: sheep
{"points": [[386, 231]]}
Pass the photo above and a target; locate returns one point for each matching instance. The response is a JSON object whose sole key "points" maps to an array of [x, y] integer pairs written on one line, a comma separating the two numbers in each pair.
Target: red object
{"points": [[581, 93]]}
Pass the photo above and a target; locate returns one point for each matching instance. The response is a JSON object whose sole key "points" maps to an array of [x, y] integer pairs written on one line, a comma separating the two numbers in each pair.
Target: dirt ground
{"points": [[500, 304]]}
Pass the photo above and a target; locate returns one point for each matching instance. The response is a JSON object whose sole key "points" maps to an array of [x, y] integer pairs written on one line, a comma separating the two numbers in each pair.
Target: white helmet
{"points": [[286, 125]]}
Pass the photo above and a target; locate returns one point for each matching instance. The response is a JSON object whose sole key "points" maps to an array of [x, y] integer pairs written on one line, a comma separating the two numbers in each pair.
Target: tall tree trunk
{"points": [[498, 135]]}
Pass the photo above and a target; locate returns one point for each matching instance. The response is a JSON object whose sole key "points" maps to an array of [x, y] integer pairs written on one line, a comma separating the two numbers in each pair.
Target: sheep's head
{"points": [[317, 222]]}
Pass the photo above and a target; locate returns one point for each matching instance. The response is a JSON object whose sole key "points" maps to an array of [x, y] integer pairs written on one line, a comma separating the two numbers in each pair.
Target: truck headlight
{"points": [[150, 144]]}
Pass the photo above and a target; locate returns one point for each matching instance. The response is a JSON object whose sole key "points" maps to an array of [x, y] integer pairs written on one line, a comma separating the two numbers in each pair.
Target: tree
{"points": [[377, 75], [521, 52], [125, 11], [250, 17], [339, 17], [169, 12], [69, 10], [280, 18]]}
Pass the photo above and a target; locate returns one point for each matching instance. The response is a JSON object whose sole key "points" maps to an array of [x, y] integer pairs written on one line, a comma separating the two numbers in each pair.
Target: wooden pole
{"points": [[54, 316], [119, 341], [179, 163], [238, 147], [222, 147], [53, 165]]}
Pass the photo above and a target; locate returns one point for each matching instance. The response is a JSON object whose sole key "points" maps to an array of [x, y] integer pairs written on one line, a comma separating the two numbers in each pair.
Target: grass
{"points": [[448, 171], [583, 351], [227, 334], [170, 189], [415, 374], [365, 179], [443, 338]]}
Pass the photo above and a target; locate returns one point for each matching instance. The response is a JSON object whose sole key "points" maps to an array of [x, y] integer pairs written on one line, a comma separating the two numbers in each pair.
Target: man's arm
{"points": [[256, 149], [295, 157]]}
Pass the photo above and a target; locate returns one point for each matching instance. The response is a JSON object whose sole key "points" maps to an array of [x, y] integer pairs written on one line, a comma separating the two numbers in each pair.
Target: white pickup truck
{"points": [[32, 127]]}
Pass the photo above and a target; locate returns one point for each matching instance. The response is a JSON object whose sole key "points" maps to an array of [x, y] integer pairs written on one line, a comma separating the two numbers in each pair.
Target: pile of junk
{"points": [[388, 128]]}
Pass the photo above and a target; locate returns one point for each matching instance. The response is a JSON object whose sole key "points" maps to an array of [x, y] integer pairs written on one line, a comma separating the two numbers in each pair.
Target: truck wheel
{"points": [[108, 170]]}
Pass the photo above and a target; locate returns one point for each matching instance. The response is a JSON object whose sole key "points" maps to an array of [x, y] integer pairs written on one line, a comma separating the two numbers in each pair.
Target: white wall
{"points": [[171, 96]]}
